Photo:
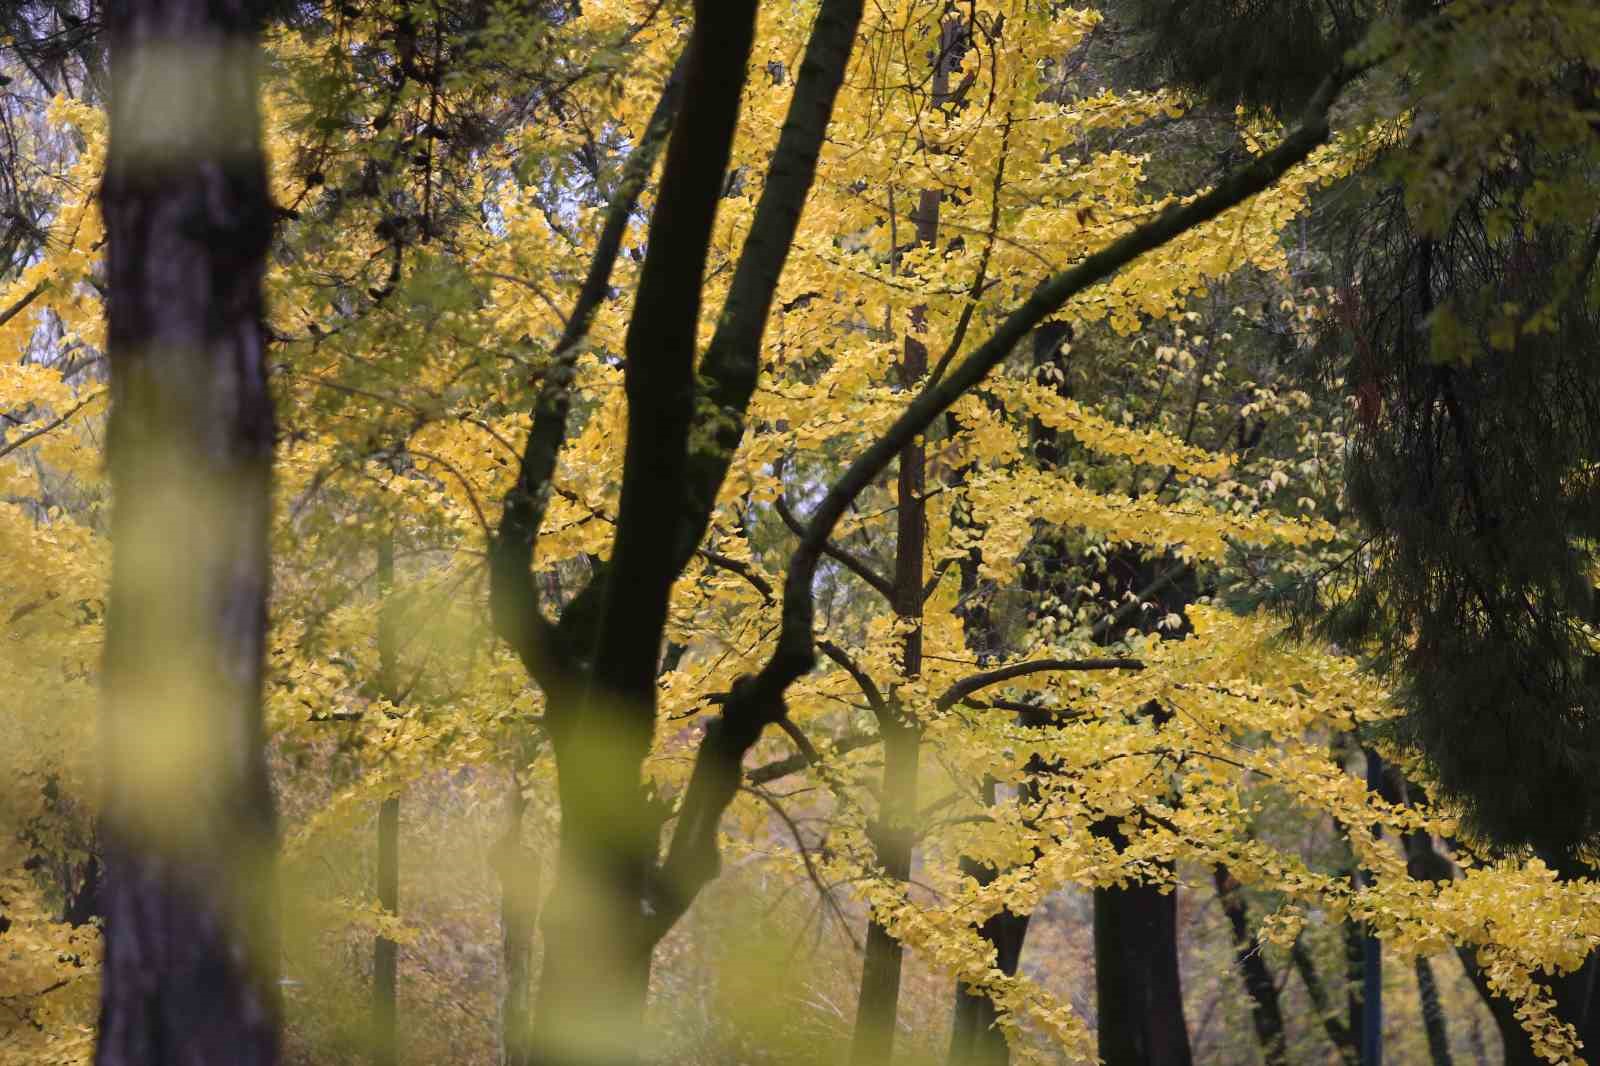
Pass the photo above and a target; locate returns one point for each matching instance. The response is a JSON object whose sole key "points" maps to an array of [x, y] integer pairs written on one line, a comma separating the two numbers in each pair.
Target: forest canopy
{"points": [[591, 533]]}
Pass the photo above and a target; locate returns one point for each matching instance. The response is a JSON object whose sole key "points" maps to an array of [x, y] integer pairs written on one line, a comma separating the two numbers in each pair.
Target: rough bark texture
{"points": [[190, 947]]}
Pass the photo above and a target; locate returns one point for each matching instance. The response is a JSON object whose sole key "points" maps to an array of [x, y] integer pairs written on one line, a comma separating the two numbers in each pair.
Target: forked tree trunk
{"points": [[190, 946]]}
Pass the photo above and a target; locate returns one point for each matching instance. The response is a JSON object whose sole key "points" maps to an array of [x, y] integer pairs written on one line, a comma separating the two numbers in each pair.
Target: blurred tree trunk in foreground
{"points": [[190, 942]]}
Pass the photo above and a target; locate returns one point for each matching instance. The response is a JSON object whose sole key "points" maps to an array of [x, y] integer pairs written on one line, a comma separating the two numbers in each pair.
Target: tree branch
{"points": [[796, 654], [843, 556], [772, 771], [756, 702], [967, 686], [513, 596], [34, 434], [22, 303], [863, 680], [743, 569], [731, 364]]}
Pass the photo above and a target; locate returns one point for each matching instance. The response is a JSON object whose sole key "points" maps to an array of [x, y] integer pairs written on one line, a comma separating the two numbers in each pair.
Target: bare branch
{"points": [[868, 687], [60, 420], [22, 303], [843, 556], [967, 686]]}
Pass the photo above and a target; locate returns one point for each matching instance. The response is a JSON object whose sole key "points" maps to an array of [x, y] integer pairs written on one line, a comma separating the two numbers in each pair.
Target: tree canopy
{"points": [[799, 531]]}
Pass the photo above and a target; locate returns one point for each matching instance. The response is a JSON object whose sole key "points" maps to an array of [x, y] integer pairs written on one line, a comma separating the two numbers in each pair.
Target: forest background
{"points": [[805, 531]]}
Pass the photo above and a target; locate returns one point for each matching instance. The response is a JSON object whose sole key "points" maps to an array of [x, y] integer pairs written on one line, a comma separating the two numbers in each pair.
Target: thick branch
{"points": [[728, 371], [732, 360], [513, 596], [658, 376], [968, 685], [843, 556]]}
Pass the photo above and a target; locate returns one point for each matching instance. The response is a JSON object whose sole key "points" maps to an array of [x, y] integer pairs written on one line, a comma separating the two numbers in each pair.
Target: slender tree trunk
{"points": [[518, 870], [1265, 1010], [1516, 1049], [879, 999], [1339, 1033], [385, 1047], [1433, 1017], [190, 966], [1137, 989], [975, 1039], [1371, 1028], [895, 837]]}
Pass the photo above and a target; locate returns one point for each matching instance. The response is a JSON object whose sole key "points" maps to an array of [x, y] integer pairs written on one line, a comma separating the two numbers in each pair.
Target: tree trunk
{"points": [[1371, 1028], [879, 999], [1516, 1048], [596, 926], [975, 1039], [385, 1048], [518, 871], [1265, 1011], [1137, 989], [189, 974], [1433, 1018], [1339, 1033], [895, 837]]}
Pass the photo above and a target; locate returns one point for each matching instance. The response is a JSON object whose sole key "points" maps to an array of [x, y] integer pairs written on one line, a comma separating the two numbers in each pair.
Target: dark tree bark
{"points": [[1138, 993], [1338, 1031], [385, 952], [975, 1039], [1516, 1048], [1371, 1019], [895, 834], [1433, 1017], [190, 946], [598, 928], [1265, 1011], [612, 900]]}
